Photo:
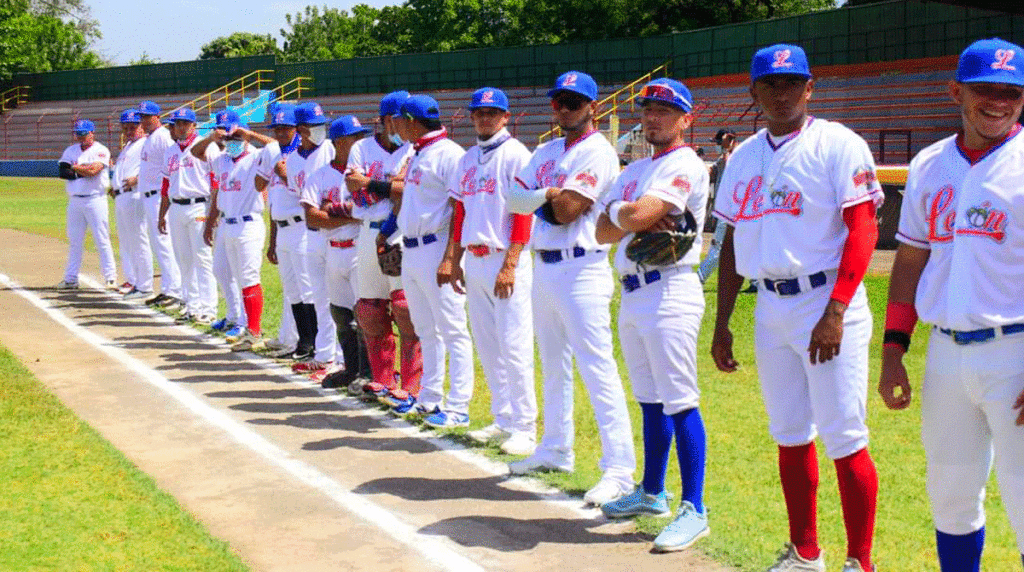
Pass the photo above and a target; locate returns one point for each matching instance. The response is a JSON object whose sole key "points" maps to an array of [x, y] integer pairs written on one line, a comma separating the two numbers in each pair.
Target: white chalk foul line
{"points": [[433, 549]]}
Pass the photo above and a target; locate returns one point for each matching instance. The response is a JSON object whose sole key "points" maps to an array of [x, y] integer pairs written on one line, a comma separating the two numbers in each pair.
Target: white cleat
{"points": [[65, 285], [489, 433], [519, 443], [608, 489], [790, 561], [539, 462]]}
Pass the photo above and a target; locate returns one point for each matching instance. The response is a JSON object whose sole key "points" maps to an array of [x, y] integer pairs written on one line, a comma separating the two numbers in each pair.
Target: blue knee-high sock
{"points": [[960, 552], [691, 446], [657, 441]]}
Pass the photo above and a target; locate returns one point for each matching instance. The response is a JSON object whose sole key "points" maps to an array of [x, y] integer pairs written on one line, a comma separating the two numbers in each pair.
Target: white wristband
{"points": [[613, 212]]}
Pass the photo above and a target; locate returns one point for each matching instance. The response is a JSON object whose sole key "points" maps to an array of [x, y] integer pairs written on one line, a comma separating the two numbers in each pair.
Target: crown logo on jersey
{"points": [[754, 205], [487, 97], [1002, 61], [983, 220], [586, 178], [782, 59], [570, 79], [681, 183]]}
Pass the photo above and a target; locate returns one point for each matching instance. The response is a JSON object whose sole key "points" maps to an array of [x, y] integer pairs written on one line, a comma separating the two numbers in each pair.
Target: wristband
{"points": [[896, 338], [389, 226], [613, 213]]}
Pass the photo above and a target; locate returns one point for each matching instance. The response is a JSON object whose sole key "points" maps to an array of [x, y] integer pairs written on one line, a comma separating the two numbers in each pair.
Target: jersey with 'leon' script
{"points": [[374, 161], [236, 181], [327, 184], [785, 198], [425, 209], [128, 162], [189, 177], [151, 168]]}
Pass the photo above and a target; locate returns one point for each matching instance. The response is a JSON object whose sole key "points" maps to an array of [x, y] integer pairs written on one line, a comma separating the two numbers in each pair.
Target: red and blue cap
{"points": [[489, 97], [421, 107], [83, 126], [780, 59], [391, 104], [228, 119], [345, 126], [130, 116], [183, 114], [669, 91], [283, 115], [991, 61], [309, 113], [149, 108], [575, 82]]}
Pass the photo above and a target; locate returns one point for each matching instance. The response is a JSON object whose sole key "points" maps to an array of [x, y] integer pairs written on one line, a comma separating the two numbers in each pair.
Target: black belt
{"points": [[982, 335], [553, 256], [148, 194], [119, 192], [414, 242], [290, 220], [84, 196], [196, 201], [236, 220], [791, 286], [311, 229]]}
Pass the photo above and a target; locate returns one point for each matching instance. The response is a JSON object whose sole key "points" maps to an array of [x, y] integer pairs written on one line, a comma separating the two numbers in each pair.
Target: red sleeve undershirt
{"points": [[164, 187], [863, 227], [521, 228], [460, 216], [214, 185]]}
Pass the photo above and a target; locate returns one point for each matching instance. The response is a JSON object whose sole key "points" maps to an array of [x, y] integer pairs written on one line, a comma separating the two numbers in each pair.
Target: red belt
{"points": [[481, 249], [342, 243]]}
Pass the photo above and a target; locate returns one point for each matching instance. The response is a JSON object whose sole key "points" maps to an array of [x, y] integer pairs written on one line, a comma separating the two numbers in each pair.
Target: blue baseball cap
{"points": [[149, 108], [391, 104], [168, 120], [228, 119], [666, 90], [183, 114], [83, 126], [489, 97], [309, 113], [780, 59], [346, 125], [576, 82], [991, 61], [421, 107], [130, 116], [283, 115]]}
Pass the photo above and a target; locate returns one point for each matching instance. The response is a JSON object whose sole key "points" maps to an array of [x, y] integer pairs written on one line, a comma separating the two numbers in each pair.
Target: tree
{"points": [[238, 45], [33, 38], [144, 59]]}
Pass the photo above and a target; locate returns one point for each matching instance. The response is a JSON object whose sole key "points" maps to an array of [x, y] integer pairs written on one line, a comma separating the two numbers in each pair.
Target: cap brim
{"points": [[82, 132], [557, 90], [996, 78]]}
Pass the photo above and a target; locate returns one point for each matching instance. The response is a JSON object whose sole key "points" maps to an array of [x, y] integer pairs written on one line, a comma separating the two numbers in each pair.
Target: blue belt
{"points": [[982, 335], [553, 256], [791, 286], [414, 242], [631, 282], [375, 224], [236, 220]]}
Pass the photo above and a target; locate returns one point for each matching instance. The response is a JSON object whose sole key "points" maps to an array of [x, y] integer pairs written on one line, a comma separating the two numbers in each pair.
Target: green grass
{"points": [[70, 501], [747, 511]]}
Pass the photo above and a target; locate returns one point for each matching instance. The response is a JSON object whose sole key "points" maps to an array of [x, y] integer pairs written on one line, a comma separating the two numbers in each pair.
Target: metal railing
{"points": [[293, 87], [224, 93], [13, 97], [616, 100]]}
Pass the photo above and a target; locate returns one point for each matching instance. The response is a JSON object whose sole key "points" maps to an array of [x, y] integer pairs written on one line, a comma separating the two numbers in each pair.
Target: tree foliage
{"points": [[42, 36], [238, 45]]}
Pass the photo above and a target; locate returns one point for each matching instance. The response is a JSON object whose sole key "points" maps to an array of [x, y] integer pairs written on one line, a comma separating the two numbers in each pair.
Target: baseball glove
{"points": [[66, 172], [389, 256], [663, 247]]}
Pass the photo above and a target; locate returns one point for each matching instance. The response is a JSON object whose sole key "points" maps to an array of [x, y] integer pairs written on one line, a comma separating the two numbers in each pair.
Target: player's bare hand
{"points": [[208, 233], [505, 284], [272, 255], [894, 385], [721, 350], [666, 222], [355, 180], [827, 334], [448, 272], [1019, 404], [281, 170], [161, 225]]}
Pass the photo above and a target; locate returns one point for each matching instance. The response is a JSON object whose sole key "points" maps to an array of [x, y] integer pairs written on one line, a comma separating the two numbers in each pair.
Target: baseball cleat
{"points": [[688, 527], [489, 433], [606, 490], [791, 561], [282, 353], [204, 319], [137, 295], [853, 565], [156, 300], [220, 325], [65, 285], [246, 342], [447, 420], [338, 379], [406, 406], [183, 318], [636, 503], [112, 286], [125, 288], [309, 366], [539, 462], [519, 443], [234, 333]]}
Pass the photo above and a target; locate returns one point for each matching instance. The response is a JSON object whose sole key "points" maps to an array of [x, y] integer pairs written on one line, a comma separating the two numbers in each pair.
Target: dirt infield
{"points": [[293, 477]]}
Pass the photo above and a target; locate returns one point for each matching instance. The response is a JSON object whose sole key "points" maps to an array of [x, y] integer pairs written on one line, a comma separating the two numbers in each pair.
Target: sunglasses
{"points": [[568, 101], [662, 93]]}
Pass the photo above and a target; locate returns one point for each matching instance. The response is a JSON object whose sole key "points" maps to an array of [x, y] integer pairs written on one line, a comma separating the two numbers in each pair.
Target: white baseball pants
{"points": [[372, 283], [89, 213], [342, 272], [133, 240], [327, 349], [225, 277], [160, 244], [195, 259]]}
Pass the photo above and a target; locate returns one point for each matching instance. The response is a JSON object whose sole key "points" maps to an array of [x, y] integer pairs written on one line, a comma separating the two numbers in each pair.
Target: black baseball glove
{"points": [[663, 247], [66, 172]]}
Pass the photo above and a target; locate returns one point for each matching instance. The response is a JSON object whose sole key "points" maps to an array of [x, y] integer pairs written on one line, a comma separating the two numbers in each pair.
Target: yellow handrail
{"points": [[17, 95], [294, 87], [613, 99], [205, 102]]}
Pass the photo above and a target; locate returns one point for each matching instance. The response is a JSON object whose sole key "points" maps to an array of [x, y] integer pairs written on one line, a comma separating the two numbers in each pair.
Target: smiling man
{"points": [[959, 267], [800, 199]]}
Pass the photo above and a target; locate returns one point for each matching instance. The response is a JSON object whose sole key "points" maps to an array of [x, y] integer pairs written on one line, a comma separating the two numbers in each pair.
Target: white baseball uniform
{"points": [[572, 291], [971, 219], [241, 231], [129, 212], [151, 167], [438, 313], [662, 307], [785, 198], [502, 328], [327, 184], [300, 166], [87, 208], [189, 181], [369, 158]]}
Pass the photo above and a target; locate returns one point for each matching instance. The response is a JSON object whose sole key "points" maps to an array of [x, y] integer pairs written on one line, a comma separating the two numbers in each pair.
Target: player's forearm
{"points": [[906, 273], [318, 218], [515, 250], [253, 136], [261, 185], [860, 244], [640, 215], [199, 149], [524, 201], [88, 169], [165, 204], [607, 233], [568, 205], [729, 282], [397, 191]]}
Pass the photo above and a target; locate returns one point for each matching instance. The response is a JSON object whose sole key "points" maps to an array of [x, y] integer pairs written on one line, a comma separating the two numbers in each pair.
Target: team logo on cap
{"points": [[317, 112], [355, 122], [80, 125], [487, 97], [279, 116], [983, 220], [569, 80], [1003, 58], [782, 59]]}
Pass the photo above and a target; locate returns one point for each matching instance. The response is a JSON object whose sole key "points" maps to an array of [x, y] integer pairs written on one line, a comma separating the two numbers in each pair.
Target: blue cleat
{"points": [[447, 420], [220, 325], [636, 503]]}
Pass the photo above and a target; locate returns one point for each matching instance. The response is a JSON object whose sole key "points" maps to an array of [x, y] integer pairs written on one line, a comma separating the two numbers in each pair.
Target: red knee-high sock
{"points": [[252, 298], [858, 492], [798, 469]]}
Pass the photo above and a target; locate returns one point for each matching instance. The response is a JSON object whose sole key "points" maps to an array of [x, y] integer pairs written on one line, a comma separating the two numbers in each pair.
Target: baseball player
{"points": [[287, 244], [498, 274], [133, 240], [238, 207], [800, 199], [151, 166], [186, 192], [959, 268], [377, 167], [84, 166], [423, 219], [311, 155], [661, 310], [328, 207], [572, 288]]}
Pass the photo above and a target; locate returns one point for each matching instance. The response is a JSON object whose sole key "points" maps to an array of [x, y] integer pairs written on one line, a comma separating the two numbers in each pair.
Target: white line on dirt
{"points": [[430, 547]]}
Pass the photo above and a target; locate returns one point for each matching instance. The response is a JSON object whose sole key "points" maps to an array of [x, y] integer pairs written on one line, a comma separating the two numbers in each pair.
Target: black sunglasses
{"points": [[571, 102]]}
